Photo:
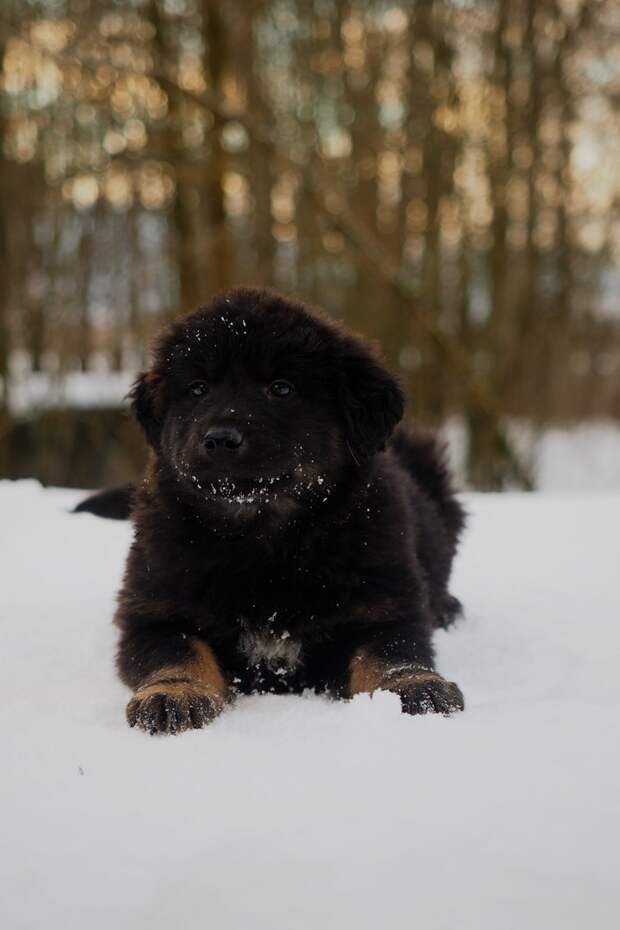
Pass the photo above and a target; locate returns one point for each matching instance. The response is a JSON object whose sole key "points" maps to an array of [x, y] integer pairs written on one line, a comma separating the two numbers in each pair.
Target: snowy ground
{"points": [[304, 814]]}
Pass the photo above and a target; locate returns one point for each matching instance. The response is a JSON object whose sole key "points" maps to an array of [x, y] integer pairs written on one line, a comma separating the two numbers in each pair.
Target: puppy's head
{"points": [[256, 403]]}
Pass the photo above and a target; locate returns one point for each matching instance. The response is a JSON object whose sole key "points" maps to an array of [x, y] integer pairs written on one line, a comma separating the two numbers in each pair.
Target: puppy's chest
{"points": [[269, 656], [273, 649], [275, 631]]}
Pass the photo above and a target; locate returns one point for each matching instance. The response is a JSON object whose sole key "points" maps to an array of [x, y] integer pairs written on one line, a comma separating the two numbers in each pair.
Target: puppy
{"points": [[285, 536]]}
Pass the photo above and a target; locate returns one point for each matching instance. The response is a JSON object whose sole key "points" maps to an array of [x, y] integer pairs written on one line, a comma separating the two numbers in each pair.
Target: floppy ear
{"points": [[373, 403], [147, 407]]}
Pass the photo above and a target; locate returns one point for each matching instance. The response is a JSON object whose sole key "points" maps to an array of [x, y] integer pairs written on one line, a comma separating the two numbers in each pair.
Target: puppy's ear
{"points": [[373, 403], [147, 407]]}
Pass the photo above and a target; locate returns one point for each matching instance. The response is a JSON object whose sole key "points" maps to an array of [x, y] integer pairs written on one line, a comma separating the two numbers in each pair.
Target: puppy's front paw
{"points": [[431, 694], [168, 708]]}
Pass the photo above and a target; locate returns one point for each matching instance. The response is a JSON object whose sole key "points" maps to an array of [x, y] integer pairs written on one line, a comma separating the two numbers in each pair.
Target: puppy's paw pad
{"points": [[162, 712], [433, 696]]}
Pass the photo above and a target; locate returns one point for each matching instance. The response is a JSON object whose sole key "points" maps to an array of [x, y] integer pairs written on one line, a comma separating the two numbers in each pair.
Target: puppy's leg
{"points": [[178, 682], [379, 667]]}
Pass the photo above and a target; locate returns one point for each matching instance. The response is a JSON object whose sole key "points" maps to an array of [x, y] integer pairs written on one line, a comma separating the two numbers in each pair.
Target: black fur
{"points": [[343, 549]]}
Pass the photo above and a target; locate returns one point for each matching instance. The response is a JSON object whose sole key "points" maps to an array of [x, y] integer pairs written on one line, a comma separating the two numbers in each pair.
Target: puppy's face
{"points": [[257, 405]]}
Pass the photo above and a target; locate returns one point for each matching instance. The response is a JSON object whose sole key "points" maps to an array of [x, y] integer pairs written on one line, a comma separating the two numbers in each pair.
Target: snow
{"points": [[34, 391], [561, 458], [302, 813], [586, 456]]}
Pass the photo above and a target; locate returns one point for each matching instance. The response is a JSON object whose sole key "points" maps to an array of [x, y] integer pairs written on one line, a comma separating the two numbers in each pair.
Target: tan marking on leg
{"points": [[368, 673], [199, 675]]}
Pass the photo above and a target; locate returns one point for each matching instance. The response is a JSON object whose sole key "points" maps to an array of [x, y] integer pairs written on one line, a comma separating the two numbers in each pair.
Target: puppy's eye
{"points": [[198, 388], [281, 388]]}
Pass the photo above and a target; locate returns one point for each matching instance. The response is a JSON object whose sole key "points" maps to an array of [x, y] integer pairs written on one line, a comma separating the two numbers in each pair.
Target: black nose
{"points": [[223, 438]]}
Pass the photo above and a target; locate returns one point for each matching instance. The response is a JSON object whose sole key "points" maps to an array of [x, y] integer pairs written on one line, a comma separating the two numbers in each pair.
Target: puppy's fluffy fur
{"points": [[285, 536]]}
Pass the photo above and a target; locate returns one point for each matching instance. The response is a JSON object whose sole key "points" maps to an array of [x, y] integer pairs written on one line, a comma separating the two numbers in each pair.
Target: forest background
{"points": [[440, 174]]}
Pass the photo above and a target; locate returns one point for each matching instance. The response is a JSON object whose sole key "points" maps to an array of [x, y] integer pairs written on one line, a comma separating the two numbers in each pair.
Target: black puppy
{"points": [[283, 540]]}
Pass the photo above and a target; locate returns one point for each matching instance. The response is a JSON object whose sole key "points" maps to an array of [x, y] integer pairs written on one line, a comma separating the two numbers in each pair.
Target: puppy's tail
{"points": [[114, 504], [425, 459]]}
